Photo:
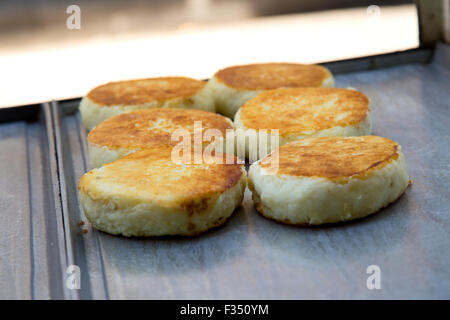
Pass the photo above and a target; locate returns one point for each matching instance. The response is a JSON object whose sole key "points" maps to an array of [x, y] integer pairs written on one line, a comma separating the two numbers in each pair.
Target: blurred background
{"points": [[42, 57]]}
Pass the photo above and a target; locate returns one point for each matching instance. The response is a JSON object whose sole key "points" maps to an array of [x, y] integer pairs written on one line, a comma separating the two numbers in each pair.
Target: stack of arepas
{"points": [[164, 165]]}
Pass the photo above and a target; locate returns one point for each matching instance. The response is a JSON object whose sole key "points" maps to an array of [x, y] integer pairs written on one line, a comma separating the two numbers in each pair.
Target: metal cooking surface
{"points": [[30, 255], [250, 257]]}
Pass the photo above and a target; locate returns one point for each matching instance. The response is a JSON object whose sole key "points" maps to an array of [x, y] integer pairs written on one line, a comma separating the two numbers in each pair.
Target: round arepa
{"points": [[152, 128], [299, 113], [233, 86], [119, 97], [148, 194], [328, 179]]}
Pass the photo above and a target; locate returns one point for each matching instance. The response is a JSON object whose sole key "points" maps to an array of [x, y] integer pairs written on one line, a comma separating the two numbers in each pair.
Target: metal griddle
{"points": [[43, 154]]}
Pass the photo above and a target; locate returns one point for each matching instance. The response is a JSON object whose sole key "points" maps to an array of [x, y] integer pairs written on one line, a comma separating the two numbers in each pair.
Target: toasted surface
{"points": [[234, 86], [334, 157], [304, 110], [273, 75], [146, 194], [299, 113], [141, 91], [151, 175], [116, 98], [152, 128], [329, 180]]}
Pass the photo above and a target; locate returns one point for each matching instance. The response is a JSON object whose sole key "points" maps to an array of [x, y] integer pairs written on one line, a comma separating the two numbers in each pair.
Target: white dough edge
{"points": [[92, 113], [146, 219], [315, 200], [228, 100], [101, 155]]}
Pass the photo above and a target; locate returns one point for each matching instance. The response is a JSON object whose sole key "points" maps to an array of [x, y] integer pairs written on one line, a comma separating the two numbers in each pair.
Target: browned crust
{"points": [[299, 110], [267, 76], [334, 158], [141, 91], [151, 128], [218, 223], [153, 174]]}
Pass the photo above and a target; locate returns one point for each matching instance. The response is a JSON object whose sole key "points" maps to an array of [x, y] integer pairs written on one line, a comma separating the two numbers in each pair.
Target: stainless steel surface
{"points": [[31, 247], [251, 257], [419, 55], [41, 161]]}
